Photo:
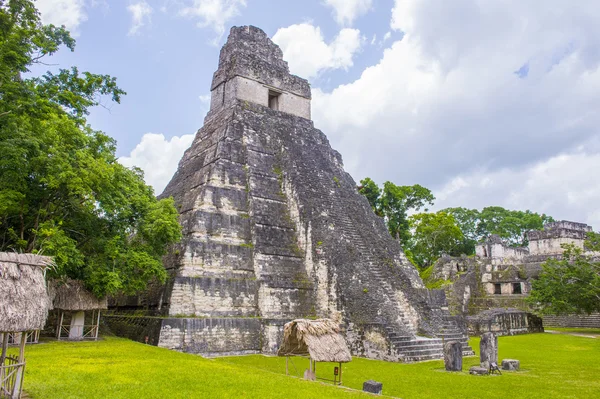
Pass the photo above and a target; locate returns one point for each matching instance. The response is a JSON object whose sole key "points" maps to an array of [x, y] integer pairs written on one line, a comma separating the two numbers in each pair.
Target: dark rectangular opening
{"points": [[274, 100], [497, 289], [517, 288]]}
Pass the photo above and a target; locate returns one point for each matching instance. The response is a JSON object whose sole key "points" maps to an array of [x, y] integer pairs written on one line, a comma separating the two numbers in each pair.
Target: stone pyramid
{"points": [[274, 229]]}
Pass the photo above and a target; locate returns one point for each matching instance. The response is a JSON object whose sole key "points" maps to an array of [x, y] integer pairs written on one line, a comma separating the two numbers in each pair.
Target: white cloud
{"points": [[213, 13], [561, 186], [158, 157], [445, 104], [140, 15], [346, 11], [307, 52], [70, 13]]}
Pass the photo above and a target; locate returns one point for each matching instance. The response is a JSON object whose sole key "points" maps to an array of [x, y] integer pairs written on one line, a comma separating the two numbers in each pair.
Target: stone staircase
{"points": [[412, 348]]}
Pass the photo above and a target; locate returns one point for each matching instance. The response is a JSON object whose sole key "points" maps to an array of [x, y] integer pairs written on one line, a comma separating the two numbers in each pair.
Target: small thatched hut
{"points": [[319, 340], [24, 304], [72, 300]]}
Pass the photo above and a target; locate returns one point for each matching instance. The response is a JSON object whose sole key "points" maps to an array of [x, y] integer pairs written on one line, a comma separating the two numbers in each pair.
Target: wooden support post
{"points": [[3, 357], [18, 381], [340, 373], [97, 325], [22, 347], [58, 330], [4, 347], [287, 358]]}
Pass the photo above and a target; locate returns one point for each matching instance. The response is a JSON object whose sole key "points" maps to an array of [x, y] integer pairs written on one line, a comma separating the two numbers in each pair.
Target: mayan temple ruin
{"points": [[274, 230], [494, 284]]}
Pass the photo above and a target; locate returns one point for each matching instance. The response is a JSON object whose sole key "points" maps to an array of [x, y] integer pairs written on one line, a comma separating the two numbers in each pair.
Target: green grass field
{"points": [[553, 366]]}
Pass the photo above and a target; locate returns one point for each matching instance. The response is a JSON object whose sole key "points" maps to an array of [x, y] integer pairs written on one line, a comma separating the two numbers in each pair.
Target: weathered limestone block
{"points": [[373, 387], [488, 350], [453, 356], [310, 375], [511, 365], [475, 370]]}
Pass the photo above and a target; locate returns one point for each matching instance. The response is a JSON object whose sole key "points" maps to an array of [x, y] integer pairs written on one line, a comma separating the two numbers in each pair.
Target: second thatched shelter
{"points": [[72, 300], [320, 340], [24, 307]]}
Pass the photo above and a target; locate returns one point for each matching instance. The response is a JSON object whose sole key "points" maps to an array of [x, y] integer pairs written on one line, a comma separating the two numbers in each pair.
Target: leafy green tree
{"points": [[62, 191], [394, 202], [509, 225], [371, 190], [467, 220], [434, 234], [570, 285]]}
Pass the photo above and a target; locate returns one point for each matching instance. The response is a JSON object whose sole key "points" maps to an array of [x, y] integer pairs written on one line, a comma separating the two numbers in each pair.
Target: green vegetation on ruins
{"points": [[553, 366], [62, 191], [570, 285]]}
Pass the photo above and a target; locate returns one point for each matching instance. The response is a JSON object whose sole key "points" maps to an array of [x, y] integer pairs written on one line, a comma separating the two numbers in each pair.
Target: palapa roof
{"points": [[24, 300], [320, 339], [71, 294]]}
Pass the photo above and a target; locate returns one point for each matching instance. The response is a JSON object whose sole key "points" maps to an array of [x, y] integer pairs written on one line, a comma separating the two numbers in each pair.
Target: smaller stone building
{"points": [[500, 276]]}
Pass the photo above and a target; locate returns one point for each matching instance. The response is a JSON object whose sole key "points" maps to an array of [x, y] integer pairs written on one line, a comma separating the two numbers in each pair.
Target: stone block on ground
{"points": [[476, 370], [453, 356], [488, 350], [511, 364], [309, 375], [373, 387]]}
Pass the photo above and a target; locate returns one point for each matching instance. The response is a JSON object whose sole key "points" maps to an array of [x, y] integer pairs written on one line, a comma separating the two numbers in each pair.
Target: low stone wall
{"points": [[212, 336], [582, 321], [504, 322], [136, 328]]}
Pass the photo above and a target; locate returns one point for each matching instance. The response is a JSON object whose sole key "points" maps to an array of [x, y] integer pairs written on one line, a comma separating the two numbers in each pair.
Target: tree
{"points": [[570, 285], [394, 202], [434, 234], [509, 225], [62, 191], [467, 220]]}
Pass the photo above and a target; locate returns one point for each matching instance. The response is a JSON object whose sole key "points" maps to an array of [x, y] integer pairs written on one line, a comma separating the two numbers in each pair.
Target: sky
{"points": [[486, 103]]}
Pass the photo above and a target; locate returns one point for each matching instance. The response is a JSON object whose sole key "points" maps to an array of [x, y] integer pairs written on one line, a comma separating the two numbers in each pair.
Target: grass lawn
{"points": [[553, 366], [119, 368], [591, 331]]}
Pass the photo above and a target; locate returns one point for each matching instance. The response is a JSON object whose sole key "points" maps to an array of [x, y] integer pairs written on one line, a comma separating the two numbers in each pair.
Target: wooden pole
{"points": [[62, 314], [97, 325], [286, 365], [2, 357], [22, 347], [4, 347], [340, 373]]}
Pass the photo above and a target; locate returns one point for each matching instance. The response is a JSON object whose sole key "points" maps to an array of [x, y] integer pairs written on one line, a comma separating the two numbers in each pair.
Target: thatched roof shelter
{"points": [[72, 295], [319, 339], [24, 300]]}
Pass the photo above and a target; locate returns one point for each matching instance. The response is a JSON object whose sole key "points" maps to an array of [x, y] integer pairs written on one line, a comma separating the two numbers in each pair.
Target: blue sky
{"points": [[486, 103]]}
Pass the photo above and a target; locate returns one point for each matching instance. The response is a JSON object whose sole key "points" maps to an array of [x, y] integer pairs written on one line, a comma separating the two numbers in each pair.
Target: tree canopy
{"points": [[394, 202], [433, 235], [452, 231], [570, 285], [62, 191]]}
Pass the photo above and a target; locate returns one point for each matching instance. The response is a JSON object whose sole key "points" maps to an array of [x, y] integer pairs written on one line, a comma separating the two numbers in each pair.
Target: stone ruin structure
{"points": [[274, 230], [491, 286]]}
